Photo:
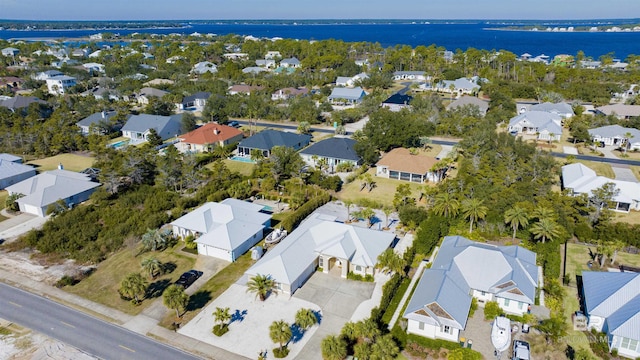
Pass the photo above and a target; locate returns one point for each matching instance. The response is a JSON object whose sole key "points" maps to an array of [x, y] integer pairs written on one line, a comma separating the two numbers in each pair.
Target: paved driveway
{"points": [[15, 226], [624, 173]]}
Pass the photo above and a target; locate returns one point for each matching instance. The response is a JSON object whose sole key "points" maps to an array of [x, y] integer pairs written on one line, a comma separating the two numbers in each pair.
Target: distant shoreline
{"points": [[605, 31]]}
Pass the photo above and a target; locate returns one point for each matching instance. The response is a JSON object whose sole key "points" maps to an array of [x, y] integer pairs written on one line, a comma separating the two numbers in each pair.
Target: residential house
{"points": [[101, 93], [332, 151], [410, 75], [621, 111], [58, 85], [400, 164], [10, 51], [11, 83], [195, 102], [466, 100], [12, 172], [265, 140], [11, 158], [20, 102], [578, 179], [207, 137], [346, 96], [244, 89], [253, 70], [138, 126], [266, 63], [459, 86], [272, 55], [290, 62], [204, 67], [562, 108], [175, 59], [80, 53], [397, 102], [159, 82], [94, 122], [95, 54], [47, 188], [224, 230], [93, 68], [321, 242], [235, 56], [345, 81], [616, 135], [462, 270], [287, 93], [42, 76], [546, 125], [146, 93], [611, 302]]}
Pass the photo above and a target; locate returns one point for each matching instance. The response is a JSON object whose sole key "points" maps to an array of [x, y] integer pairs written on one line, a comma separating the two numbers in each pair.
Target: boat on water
{"points": [[501, 334], [275, 236]]}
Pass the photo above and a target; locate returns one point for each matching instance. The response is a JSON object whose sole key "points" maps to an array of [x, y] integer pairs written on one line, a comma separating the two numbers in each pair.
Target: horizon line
{"points": [[325, 19]]}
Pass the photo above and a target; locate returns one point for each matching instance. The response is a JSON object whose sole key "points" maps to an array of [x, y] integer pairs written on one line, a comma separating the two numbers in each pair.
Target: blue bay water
{"points": [[451, 36]]}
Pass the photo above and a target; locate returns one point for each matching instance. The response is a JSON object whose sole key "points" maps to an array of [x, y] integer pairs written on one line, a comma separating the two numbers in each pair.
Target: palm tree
{"points": [[474, 210], [333, 348], [306, 318], [350, 331], [445, 204], [256, 155], [133, 285], [390, 261], [542, 212], [545, 229], [280, 332], [221, 316], [367, 330], [348, 205], [261, 285], [368, 214], [151, 266], [362, 350], [516, 217], [154, 240], [175, 298], [627, 144], [387, 210], [385, 348]]}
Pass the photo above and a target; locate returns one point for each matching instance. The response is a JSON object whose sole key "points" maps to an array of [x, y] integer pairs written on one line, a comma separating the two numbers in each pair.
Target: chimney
{"points": [[60, 167], [104, 114], [216, 131]]}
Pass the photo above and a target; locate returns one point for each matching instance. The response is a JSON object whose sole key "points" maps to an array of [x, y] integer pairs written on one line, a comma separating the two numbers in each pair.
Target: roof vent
{"points": [[216, 131]]}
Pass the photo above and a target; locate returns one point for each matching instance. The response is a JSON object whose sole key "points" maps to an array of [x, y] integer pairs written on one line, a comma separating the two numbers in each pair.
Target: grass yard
{"points": [[243, 168], [3, 198], [574, 338], [382, 193], [71, 162], [578, 256], [601, 169], [102, 286], [632, 217], [218, 284]]}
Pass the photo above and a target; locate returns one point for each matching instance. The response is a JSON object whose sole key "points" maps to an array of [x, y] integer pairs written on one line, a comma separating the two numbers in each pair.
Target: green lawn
{"points": [[576, 339], [218, 284], [71, 162], [3, 198], [382, 193], [236, 166], [102, 286], [632, 217], [578, 256]]}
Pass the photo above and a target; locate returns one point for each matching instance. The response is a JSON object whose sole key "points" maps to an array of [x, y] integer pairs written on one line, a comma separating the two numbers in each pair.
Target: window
{"points": [[628, 343], [446, 329], [520, 305], [483, 293], [506, 302], [358, 268], [320, 262], [420, 325]]}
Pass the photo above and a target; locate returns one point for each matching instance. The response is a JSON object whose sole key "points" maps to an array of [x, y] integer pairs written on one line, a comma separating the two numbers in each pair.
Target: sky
{"points": [[316, 9]]}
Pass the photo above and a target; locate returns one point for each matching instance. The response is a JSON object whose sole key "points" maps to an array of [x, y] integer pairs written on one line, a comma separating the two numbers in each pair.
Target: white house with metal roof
{"points": [[547, 126], [562, 108], [58, 85], [616, 135], [12, 172], [224, 230], [579, 179], [463, 270], [611, 302], [321, 242], [349, 96], [44, 189]]}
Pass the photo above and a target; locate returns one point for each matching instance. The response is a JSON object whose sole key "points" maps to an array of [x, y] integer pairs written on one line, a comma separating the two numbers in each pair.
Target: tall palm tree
{"points": [[543, 212], [385, 348], [349, 331], [175, 298], [474, 210], [280, 332], [133, 286], [362, 350], [627, 138], [333, 348], [516, 217], [348, 205], [222, 315], [388, 260], [367, 330], [306, 318], [261, 285], [368, 214], [151, 266], [545, 229], [445, 204], [387, 210]]}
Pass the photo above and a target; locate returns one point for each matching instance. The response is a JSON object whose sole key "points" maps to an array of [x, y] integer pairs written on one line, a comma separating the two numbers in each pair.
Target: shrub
{"points": [[492, 310], [220, 329], [280, 353], [474, 307], [293, 219], [358, 277], [66, 280], [190, 242]]}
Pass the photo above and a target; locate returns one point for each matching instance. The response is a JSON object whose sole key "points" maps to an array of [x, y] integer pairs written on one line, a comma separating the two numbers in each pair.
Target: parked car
{"points": [[521, 350], [234, 124], [188, 278]]}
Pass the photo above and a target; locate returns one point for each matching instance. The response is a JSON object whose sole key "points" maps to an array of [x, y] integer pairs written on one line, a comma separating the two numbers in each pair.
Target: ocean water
{"points": [[450, 35]]}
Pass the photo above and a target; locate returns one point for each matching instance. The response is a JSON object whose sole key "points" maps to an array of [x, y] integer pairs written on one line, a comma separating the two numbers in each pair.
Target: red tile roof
{"points": [[210, 134]]}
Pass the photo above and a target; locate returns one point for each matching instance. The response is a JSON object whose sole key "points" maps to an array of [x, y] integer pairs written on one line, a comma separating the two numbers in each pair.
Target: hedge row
{"points": [[293, 220]]}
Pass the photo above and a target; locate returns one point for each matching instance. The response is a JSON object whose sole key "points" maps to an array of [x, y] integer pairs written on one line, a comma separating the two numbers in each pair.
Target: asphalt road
{"points": [[452, 143], [89, 334]]}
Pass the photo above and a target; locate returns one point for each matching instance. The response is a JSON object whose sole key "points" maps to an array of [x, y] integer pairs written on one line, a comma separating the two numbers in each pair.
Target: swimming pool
{"points": [[120, 144], [243, 159]]}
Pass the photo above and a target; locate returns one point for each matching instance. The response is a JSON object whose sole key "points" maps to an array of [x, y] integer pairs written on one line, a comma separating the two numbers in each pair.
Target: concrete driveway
{"points": [[624, 173], [15, 226]]}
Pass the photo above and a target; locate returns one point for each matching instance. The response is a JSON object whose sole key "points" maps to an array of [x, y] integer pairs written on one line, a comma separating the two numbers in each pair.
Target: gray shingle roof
{"points": [[9, 168], [199, 95], [9, 157], [335, 147], [612, 131], [469, 100], [96, 118], [561, 108], [267, 139], [540, 119], [165, 126], [19, 102]]}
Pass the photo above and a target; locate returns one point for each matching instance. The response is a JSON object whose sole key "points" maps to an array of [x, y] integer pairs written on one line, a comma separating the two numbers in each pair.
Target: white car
{"points": [[521, 350]]}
